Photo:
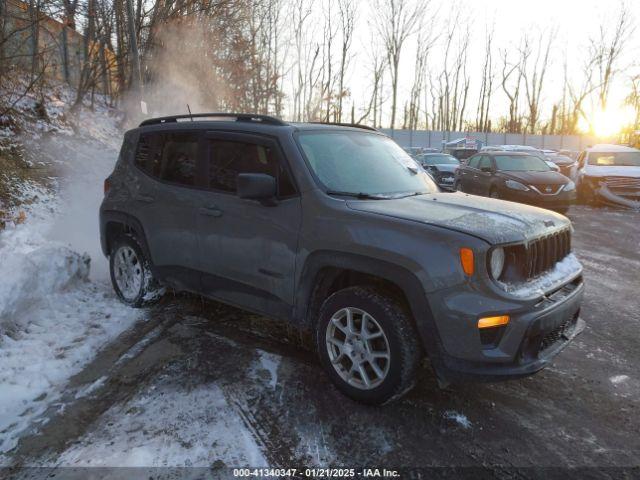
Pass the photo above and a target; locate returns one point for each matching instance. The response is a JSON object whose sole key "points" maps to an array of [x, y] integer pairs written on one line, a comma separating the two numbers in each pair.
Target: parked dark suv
{"points": [[337, 230]]}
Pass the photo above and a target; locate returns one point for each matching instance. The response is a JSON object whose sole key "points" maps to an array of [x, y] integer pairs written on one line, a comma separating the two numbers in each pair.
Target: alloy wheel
{"points": [[358, 348], [127, 272]]}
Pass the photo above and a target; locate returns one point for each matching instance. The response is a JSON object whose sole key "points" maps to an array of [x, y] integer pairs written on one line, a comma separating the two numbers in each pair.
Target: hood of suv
{"points": [[612, 171], [495, 221], [537, 178], [446, 167]]}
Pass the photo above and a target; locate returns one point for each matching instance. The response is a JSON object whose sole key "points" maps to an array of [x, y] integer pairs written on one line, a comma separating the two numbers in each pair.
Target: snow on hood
{"points": [[496, 221], [612, 171]]}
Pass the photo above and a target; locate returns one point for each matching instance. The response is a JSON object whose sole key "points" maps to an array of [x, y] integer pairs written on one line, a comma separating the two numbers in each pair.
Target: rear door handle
{"points": [[210, 211], [144, 198]]}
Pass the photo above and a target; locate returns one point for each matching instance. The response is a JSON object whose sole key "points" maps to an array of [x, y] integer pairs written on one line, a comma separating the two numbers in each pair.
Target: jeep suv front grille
{"points": [[543, 253], [524, 262]]}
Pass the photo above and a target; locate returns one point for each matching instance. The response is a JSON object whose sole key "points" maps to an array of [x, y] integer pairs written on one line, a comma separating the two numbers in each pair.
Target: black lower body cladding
{"points": [[533, 337]]}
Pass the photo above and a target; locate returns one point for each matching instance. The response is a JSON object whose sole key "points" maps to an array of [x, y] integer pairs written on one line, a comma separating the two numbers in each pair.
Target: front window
{"points": [[363, 163], [520, 163], [228, 159], [438, 160], [618, 159]]}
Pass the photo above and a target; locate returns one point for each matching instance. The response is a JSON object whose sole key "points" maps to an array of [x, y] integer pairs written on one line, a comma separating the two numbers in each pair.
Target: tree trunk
{"points": [[3, 16], [136, 74]]}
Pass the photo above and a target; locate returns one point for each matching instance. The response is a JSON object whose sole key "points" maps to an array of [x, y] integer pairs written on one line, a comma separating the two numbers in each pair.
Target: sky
{"points": [[575, 21]]}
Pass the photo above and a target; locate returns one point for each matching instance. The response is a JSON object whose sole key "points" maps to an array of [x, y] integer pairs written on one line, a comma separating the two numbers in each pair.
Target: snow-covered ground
{"points": [[54, 314]]}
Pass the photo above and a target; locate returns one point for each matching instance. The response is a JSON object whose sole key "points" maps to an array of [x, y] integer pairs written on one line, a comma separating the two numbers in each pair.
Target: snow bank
{"points": [[30, 277]]}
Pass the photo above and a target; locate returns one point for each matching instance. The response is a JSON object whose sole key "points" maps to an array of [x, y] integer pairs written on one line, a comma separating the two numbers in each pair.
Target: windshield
{"points": [[438, 160], [520, 163], [363, 163], [619, 159]]}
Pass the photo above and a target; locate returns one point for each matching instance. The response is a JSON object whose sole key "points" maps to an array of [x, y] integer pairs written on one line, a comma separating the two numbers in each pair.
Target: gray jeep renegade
{"points": [[335, 229]]}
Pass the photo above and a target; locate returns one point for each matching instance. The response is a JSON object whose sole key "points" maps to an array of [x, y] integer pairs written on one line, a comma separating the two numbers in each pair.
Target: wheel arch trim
{"points": [[304, 310]]}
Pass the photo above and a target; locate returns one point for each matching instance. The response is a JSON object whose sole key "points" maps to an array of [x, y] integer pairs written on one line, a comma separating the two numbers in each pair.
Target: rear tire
{"points": [[367, 345], [131, 274]]}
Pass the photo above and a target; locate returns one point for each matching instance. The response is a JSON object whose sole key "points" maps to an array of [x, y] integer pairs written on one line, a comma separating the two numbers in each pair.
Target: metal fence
{"points": [[436, 139]]}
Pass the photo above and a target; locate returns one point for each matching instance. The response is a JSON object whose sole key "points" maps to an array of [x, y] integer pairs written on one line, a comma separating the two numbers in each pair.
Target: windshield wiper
{"points": [[411, 194], [359, 195]]}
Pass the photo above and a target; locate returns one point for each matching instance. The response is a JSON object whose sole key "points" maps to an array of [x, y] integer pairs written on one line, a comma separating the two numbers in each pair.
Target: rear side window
{"points": [[171, 157], [144, 158], [228, 159], [179, 158]]}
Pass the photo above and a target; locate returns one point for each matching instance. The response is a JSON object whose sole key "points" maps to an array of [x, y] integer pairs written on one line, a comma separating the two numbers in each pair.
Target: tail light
{"points": [[107, 186]]}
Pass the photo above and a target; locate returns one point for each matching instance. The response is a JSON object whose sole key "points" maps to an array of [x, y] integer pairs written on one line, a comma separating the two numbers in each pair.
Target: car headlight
{"points": [[496, 262], [516, 185], [569, 186]]}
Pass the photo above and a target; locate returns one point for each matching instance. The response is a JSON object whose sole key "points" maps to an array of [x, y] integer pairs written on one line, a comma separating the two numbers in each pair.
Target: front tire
{"points": [[131, 274], [367, 345]]}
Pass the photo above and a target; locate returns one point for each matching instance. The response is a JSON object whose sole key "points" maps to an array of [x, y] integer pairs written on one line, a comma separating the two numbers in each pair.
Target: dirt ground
{"points": [[201, 384]]}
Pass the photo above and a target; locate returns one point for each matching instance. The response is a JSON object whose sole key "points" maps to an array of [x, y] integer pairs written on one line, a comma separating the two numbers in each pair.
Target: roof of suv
{"points": [[505, 152], [609, 148], [245, 118]]}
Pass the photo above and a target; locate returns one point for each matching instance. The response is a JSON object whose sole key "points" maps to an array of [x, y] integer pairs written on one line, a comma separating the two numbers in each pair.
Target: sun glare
{"points": [[609, 122]]}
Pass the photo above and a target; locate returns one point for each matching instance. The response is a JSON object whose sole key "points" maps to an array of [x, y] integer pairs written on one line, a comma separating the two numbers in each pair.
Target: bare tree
{"points": [[395, 21], [377, 67], [425, 42], [483, 119], [452, 84], [511, 83], [606, 50], [534, 65], [328, 75], [633, 100], [347, 10]]}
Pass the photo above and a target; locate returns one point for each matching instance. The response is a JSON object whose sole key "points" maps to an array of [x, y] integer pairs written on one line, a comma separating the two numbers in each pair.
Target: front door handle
{"points": [[210, 211], [144, 198]]}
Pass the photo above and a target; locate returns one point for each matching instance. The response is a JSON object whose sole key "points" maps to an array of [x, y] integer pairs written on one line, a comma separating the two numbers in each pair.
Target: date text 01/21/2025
{"points": [[316, 472]]}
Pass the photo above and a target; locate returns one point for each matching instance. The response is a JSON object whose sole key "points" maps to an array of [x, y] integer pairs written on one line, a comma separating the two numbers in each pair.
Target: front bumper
{"points": [[560, 200], [536, 333]]}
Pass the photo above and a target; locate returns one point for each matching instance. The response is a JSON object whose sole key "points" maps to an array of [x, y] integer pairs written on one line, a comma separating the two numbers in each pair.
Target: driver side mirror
{"points": [[486, 169], [257, 186]]}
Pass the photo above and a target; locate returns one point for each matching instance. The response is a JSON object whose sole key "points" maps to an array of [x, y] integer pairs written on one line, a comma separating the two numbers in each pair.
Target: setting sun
{"points": [[609, 122]]}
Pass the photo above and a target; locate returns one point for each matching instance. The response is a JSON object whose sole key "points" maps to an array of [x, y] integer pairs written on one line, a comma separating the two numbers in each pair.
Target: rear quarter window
{"points": [[171, 157]]}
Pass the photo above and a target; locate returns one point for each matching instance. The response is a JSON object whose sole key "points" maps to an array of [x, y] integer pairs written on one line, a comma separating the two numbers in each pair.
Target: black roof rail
{"points": [[239, 117], [353, 125]]}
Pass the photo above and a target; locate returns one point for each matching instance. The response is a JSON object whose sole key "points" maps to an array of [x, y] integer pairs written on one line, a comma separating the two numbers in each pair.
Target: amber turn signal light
{"points": [[466, 259], [489, 322], [107, 186]]}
